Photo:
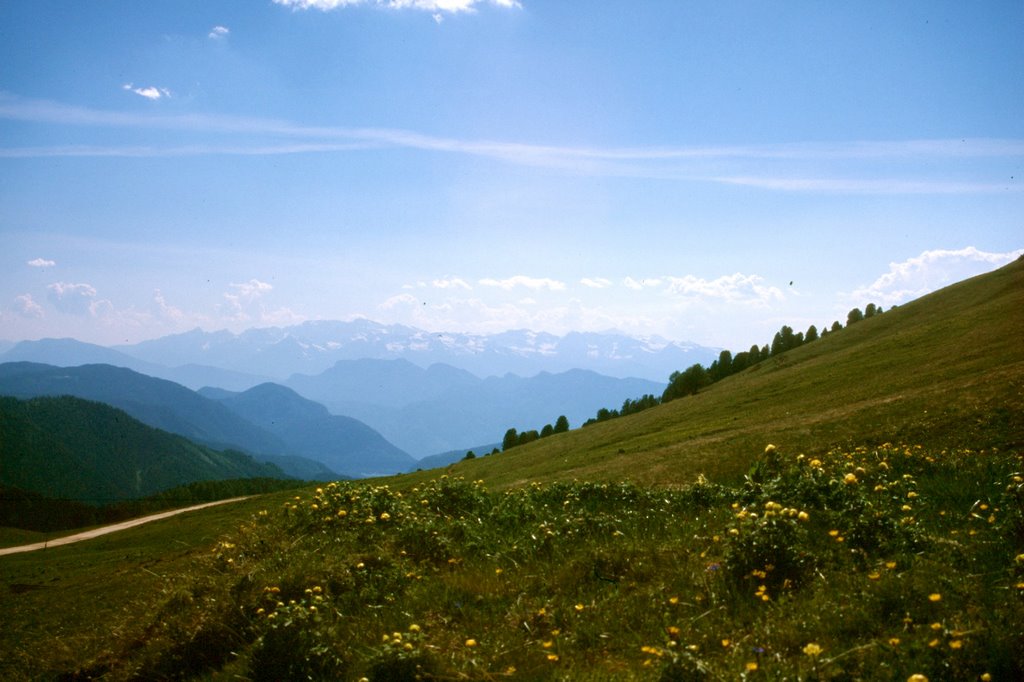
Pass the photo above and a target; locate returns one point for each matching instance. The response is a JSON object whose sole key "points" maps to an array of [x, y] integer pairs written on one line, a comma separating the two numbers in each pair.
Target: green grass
{"points": [[893, 561], [602, 553], [64, 605]]}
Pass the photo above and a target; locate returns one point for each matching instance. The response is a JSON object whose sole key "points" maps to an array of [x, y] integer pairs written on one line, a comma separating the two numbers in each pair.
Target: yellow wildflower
{"points": [[471, 642], [812, 649], [934, 596]]}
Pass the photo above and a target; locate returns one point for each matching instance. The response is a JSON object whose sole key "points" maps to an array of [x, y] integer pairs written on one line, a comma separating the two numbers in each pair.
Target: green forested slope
{"points": [[82, 450]]}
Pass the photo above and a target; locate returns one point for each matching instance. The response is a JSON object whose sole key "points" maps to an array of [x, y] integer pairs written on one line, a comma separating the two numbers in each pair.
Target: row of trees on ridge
{"points": [[692, 379]]}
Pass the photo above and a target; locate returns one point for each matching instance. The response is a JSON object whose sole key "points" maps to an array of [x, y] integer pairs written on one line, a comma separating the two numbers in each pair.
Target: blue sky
{"points": [[703, 171]]}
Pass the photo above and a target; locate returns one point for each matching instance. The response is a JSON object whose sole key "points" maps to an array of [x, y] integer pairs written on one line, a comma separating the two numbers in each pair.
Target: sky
{"points": [[699, 171]]}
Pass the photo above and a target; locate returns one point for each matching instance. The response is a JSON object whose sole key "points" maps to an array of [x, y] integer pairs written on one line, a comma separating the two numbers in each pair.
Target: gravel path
{"points": [[113, 528]]}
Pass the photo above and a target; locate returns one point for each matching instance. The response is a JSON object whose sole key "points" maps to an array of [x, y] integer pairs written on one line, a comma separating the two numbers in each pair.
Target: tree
{"points": [[740, 362], [687, 382], [871, 310], [836, 326], [854, 315], [811, 335], [561, 424], [547, 431], [528, 437], [785, 340], [722, 367], [755, 354], [470, 455], [510, 441]]}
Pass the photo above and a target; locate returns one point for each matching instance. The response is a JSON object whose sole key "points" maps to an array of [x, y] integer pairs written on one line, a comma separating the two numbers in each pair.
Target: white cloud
{"points": [[251, 290], [151, 92], [219, 32], [927, 272], [399, 300], [41, 263], [640, 285], [535, 283], [76, 299], [245, 305], [242, 296], [596, 282], [735, 288], [165, 310], [434, 6], [27, 307], [451, 283]]}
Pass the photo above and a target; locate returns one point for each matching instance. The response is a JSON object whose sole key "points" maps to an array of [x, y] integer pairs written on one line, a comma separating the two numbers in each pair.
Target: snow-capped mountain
{"points": [[312, 347]]}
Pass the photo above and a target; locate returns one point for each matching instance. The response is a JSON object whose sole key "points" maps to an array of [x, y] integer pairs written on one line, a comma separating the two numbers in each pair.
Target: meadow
{"points": [[870, 563]]}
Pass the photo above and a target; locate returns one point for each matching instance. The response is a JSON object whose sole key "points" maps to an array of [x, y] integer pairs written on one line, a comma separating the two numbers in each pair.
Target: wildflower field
{"points": [[875, 563]]}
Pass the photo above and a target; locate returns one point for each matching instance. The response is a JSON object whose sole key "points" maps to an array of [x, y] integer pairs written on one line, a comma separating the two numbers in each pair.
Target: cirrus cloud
{"points": [[434, 6]]}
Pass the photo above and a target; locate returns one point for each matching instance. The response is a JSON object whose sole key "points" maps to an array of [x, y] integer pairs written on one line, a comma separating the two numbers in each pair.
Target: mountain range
{"points": [[441, 408], [421, 391], [276, 353]]}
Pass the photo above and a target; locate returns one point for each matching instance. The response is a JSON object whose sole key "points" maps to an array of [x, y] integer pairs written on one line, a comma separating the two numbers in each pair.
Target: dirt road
{"points": [[113, 528]]}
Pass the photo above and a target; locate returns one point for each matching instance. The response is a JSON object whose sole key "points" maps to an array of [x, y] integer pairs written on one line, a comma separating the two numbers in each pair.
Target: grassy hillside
{"points": [[839, 557], [82, 450], [944, 370]]}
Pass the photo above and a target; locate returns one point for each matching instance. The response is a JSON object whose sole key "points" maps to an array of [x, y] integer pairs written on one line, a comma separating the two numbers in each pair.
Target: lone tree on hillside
{"points": [[561, 424]]}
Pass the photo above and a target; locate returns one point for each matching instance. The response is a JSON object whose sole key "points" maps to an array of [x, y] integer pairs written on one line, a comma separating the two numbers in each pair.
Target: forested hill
{"points": [[82, 450]]}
